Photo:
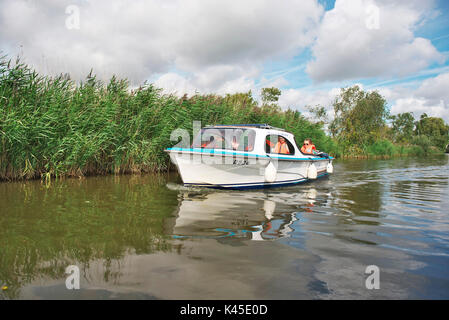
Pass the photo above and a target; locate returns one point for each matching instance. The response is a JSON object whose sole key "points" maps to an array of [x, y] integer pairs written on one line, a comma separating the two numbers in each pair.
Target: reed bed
{"points": [[55, 127]]}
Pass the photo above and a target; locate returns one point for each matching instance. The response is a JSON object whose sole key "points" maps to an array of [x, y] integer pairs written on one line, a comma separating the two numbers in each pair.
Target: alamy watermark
{"points": [[72, 282], [373, 280], [72, 22]]}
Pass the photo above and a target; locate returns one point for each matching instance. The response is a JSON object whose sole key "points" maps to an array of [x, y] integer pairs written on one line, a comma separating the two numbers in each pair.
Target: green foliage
{"points": [[435, 129], [423, 142], [51, 127], [54, 127], [359, 117], [359, 127], [381, 148], [319, 113], [402, 126], [270, 95]]}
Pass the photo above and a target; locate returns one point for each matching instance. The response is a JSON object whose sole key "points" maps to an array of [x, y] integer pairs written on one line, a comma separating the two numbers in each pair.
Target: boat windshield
{"points": [[225, 138]]}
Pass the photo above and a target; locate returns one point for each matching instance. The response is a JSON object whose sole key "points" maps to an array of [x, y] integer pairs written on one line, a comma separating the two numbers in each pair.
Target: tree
{"points": [[270, 95], [434, 128], [319, 113], [269, 98], [359, 118], [241, 99], [402, 126]]}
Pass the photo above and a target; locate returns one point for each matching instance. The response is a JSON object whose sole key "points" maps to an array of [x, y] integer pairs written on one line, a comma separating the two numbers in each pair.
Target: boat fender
{"points": [[312, 172], [330, 168], [270, 172]]}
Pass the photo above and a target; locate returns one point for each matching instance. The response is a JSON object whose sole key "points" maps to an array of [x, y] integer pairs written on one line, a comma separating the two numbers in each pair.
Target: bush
{"points": [[423, 142], [381, 148]]}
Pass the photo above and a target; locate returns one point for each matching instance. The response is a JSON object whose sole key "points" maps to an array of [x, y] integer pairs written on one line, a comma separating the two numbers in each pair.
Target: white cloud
{"points": [[351, 45], [300, 99], [216, 79], [431, 97], [436, 88], [174, 83], [419, 106], [277, 82], [140, 38]]}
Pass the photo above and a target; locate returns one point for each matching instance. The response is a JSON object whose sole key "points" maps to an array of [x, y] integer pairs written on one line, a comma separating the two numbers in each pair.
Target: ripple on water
{"points": [[310, 240]]}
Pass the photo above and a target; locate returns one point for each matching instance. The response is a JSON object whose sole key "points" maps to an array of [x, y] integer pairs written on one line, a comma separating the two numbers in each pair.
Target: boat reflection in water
{"points": [[258, 216]]}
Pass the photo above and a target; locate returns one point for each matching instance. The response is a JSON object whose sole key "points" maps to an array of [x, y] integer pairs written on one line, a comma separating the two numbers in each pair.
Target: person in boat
{"points": [[213, 143], [207, 144], [308, 147], [251, 139], [281, 146], [235, 145]]}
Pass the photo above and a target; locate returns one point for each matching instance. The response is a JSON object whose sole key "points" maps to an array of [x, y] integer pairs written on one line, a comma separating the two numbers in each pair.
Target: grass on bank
{"points": [[384, 149], [55, 127]]}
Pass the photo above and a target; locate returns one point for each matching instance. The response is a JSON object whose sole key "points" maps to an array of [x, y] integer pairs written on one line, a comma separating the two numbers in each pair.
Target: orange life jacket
{"points": [[281, 148], [308, 149]]}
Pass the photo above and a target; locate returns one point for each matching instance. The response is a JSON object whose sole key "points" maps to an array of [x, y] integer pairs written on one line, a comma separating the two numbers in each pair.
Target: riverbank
{"points": [[392, 151], [54, 127]]}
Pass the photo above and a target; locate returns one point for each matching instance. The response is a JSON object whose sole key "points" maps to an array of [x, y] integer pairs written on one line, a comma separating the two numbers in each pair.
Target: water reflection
{"points": [[249, 215], [46, 228]]}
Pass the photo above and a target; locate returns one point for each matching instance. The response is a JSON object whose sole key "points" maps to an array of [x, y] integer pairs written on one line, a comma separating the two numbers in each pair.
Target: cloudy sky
{"points": [[307, 48]]}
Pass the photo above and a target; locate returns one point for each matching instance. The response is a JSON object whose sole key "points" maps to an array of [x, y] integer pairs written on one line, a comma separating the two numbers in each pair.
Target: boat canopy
{"points": [[259, 138]]}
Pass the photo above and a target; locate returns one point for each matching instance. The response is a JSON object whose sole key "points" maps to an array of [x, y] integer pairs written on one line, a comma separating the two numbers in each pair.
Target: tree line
{"points": [[362, 125]]}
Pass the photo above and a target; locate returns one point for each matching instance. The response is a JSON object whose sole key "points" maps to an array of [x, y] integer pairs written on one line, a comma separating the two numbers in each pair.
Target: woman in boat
{"points": [[308, 147], [216, 142], [281, 146]]}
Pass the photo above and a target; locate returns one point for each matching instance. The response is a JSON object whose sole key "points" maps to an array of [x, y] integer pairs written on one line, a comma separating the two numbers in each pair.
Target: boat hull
{"points": [[242, 171]]}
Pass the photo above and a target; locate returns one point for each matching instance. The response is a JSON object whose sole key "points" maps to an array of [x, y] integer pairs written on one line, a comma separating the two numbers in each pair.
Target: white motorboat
{"points": [[246, 156]]}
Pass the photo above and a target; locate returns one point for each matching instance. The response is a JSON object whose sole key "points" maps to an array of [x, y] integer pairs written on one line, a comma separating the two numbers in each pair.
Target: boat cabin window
{"points": [[278, 144], [225, 138]]}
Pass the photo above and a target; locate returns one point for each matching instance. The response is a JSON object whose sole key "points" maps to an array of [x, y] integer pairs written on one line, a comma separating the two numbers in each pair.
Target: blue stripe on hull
{"points": [[241, 153], [244, 186]]}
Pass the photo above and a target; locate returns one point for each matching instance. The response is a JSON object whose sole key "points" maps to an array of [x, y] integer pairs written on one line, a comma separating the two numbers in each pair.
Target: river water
{"points": [[147, 237]]}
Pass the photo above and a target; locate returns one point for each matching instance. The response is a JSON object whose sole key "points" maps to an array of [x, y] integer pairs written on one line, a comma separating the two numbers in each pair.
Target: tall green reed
{"points": [[55, 127]]}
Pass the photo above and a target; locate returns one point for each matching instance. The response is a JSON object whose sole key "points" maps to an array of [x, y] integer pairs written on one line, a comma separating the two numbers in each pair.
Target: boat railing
{"points": [[254, 125]]}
